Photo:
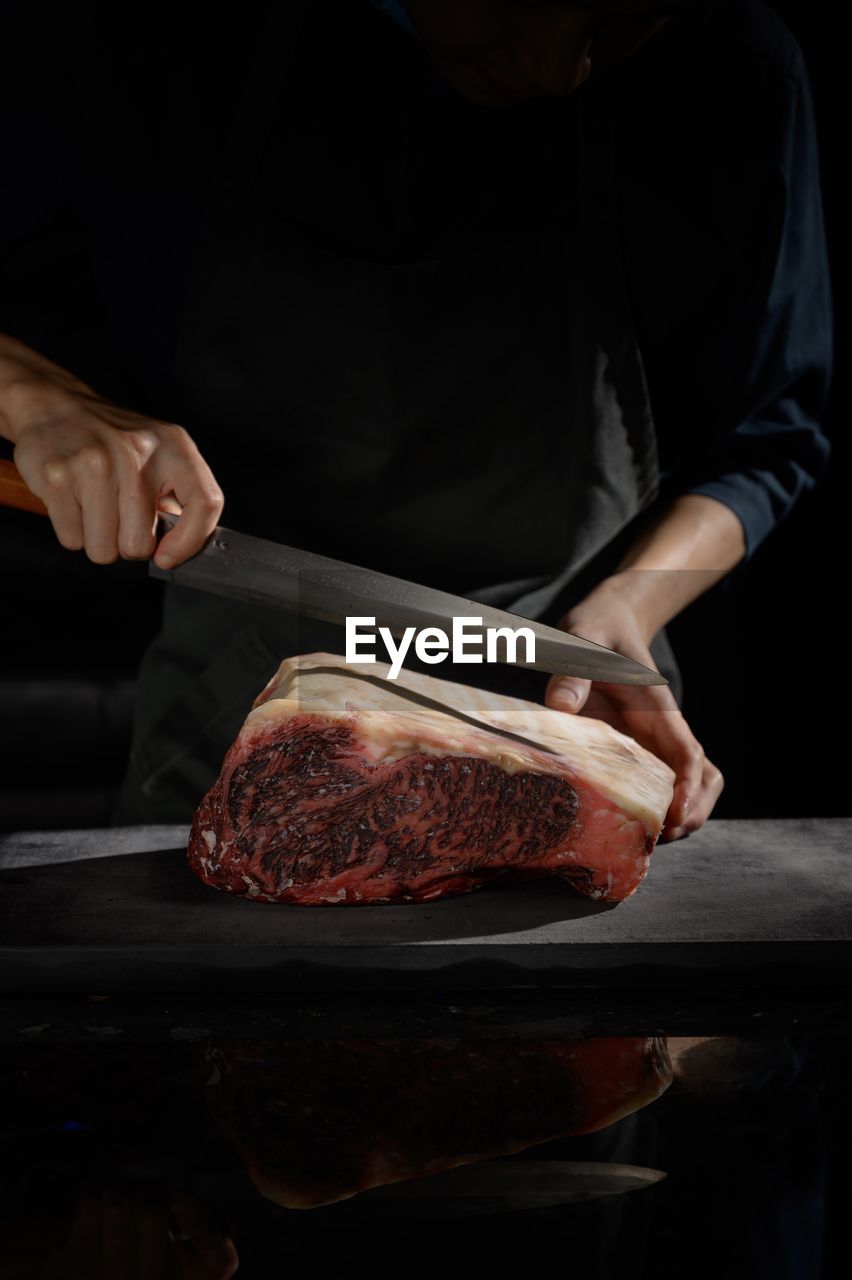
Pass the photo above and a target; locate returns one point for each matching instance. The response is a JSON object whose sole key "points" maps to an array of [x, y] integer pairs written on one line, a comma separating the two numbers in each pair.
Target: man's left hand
{"points": [[647, 713]]}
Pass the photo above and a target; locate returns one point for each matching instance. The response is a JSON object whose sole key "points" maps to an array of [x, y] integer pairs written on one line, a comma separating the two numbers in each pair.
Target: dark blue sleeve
{"points": [[782, 328]]}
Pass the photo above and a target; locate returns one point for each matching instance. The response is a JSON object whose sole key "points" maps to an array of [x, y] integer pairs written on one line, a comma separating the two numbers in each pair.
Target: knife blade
{"points": [[247, 568], [499, 1186], [244, 567]]}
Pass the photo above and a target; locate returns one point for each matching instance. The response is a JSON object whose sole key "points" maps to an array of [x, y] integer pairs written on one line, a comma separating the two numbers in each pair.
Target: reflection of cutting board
{"points": [[119, 910]]}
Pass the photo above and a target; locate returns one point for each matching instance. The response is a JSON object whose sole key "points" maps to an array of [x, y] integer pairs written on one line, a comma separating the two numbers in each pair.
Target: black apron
{"points": [[469, 412]]}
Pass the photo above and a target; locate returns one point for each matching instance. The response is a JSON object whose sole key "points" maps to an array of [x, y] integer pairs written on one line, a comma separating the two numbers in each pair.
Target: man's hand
{"points": [[103, 472], [648, 713], [128, 1238]]}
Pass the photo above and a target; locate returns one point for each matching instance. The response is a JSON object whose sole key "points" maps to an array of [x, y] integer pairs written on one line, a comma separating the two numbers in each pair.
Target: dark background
{"points": [[763, 658]]}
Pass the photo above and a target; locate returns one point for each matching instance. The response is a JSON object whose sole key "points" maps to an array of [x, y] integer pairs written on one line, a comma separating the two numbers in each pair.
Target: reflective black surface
{"points": [[751, 1136]]}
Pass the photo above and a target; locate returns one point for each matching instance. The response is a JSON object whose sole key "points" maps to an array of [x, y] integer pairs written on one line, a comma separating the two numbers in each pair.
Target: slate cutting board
{"points": [[766, 901]]}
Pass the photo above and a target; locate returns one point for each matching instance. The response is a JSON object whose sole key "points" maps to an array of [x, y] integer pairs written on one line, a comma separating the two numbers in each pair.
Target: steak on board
{"points": [[346, 787]]}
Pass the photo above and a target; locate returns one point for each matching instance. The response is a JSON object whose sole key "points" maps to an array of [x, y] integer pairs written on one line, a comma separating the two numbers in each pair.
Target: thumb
{"points": [[567, 693]]}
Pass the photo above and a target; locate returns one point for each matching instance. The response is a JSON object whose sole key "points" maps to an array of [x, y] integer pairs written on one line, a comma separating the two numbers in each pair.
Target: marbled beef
{"points": [[346, 787]]}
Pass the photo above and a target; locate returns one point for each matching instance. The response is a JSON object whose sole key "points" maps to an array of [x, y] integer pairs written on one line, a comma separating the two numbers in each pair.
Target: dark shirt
{"points": [[112, 134]]}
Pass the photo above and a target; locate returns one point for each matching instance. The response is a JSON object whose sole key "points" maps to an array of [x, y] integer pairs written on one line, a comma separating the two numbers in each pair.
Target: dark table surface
{"points": [[760, 903]]}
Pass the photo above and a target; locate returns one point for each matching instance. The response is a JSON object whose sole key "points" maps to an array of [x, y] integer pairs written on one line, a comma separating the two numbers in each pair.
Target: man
{"points": [[525, 300]]}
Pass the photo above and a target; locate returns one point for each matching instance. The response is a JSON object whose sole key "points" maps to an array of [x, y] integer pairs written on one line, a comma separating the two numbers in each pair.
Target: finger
{"points": [[597, 707], [62, 506], [652, 717], [638, 698], [651, 731], [687, 760], [169, 504], [686, 796], [567, 693], [202, 502], [649, 714], [216, 1250], [712, 786], [96, 488], [137, 519]]}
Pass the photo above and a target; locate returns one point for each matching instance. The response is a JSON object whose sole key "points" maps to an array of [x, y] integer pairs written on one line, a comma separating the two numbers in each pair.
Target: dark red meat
{"points": [[356, 794]]}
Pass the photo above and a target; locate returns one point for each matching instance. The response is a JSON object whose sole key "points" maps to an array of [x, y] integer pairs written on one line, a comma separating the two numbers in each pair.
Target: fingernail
{"points": [[165, 562], [566, 698]]}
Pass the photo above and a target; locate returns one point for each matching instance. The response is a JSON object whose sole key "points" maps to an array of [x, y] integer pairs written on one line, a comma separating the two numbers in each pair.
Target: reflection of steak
{"points": [[346, 787], [318, 1121]]}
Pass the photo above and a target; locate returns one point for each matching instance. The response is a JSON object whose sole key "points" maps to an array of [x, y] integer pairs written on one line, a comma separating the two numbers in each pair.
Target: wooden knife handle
{"points": [[14, 493]]}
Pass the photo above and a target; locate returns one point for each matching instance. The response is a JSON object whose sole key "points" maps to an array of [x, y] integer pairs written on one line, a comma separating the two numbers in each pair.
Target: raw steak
{"points": [[346, 787], [315, 1122]]}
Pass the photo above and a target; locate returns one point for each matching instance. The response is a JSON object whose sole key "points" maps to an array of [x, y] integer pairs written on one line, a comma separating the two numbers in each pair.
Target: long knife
{"points": [[247, 568]]}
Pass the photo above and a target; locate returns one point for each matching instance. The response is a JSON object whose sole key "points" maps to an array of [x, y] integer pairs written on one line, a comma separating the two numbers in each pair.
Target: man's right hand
{"points": [[103, 472]]}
